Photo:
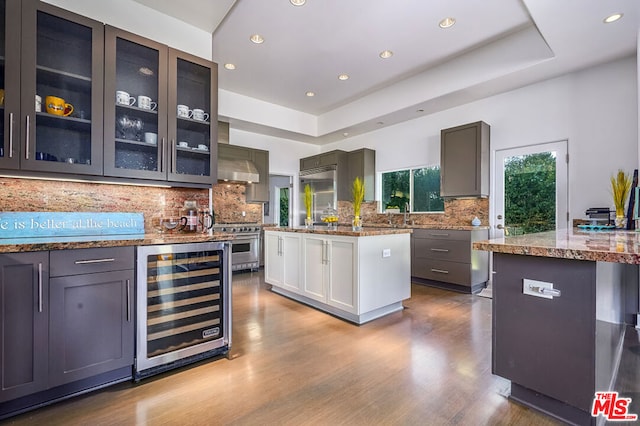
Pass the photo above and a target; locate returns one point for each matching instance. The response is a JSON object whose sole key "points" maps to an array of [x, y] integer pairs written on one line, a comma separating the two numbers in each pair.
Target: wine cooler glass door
{"points": [[183, 296]]}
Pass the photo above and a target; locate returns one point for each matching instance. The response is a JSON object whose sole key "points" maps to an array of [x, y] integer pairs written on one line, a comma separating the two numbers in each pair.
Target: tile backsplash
{"points": [[32, 195]]}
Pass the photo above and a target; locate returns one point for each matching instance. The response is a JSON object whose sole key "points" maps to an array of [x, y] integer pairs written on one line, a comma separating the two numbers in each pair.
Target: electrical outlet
{"points": [[539, 289], [244, 214], [386, 253]]}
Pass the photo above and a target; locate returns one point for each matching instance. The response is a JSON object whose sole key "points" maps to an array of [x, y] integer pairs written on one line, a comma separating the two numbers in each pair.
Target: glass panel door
{"points": [[6, 144], [531, 189], [63, 99], [191, 124], [136, 107]]}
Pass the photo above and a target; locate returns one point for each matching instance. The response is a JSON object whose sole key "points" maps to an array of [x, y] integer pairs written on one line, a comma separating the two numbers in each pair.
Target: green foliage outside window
{"points": [[530, 193], [419, 187], [284, 207]]}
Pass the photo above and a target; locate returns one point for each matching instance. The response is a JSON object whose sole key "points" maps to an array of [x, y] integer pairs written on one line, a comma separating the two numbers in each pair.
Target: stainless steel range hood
{"points": [[237, 170]]}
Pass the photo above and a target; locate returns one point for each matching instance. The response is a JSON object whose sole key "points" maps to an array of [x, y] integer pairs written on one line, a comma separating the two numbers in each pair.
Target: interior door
{"points": [[531, 189]]}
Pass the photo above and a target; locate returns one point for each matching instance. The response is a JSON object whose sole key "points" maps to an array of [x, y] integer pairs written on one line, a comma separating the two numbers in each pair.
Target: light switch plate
{"points": [[386, 253], [531, 287]]}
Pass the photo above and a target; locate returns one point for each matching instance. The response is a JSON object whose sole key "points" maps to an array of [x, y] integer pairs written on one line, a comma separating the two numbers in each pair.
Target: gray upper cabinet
{"points": [[255, 192], [259, 192], [24, 323], [332, 158], [362, 164], [57, 56], [464, 161], [152, 141]]}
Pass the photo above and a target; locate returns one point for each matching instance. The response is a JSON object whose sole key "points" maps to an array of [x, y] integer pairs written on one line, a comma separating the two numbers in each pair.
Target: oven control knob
{"points": [[223, 229]]}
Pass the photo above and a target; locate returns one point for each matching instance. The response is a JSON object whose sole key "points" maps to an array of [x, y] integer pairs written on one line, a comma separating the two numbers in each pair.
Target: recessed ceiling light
{"points": [[386, 54], [230, 66], [612, 18], [420, 110], [310, 94], [447, 22], [345, 134], [343, 77], [298, 2], [257, 39]]}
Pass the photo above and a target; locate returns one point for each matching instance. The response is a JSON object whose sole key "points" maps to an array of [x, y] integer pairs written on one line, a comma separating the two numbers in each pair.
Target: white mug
{"points": [[203, 147], [151, 138], [184, 111], [123, 98], [38, 103], [145, 102], [183, 144], [200, 115]]}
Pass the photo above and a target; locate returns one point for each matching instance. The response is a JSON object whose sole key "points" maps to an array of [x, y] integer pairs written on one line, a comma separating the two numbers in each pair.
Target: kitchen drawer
{"points": [[89, 261], [442, 234], [442, 270], [453, 250]]}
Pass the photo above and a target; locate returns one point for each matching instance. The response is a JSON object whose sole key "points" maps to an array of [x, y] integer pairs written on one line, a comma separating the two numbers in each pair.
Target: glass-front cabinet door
{"points": [[9, 84], [61, 87], [135, 107], [193, 120]]}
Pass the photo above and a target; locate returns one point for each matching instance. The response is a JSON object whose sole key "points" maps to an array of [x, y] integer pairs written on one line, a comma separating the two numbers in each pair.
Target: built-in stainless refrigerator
{"points": [[323, 182]]}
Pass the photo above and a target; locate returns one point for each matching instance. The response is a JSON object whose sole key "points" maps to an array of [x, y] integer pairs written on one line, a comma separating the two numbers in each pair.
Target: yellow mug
{"points": [[57, 106], [1, 97]]}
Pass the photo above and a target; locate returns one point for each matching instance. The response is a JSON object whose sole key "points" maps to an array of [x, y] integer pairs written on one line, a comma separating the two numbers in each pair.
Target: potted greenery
{"points": [[620, 186], [308, 202], [358, 198]]}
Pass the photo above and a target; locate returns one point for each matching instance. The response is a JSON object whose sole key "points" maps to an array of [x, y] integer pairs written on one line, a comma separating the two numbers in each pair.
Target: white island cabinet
{"points": [[358, 276]]}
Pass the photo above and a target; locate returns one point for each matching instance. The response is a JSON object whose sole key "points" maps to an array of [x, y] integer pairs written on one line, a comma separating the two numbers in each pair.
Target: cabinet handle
{"points": [[26, 152], [439, 235], [440, 271], [279, 246], [440, 250], [89, 261], [161, 156], [11, 135], [128, 300], [546, 291], [174, 156], [39, 287]]}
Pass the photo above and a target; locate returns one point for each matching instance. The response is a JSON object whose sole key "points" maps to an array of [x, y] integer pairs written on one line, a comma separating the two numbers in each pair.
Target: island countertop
{"points": [[345, 231], [14, 245], [619, 246]]}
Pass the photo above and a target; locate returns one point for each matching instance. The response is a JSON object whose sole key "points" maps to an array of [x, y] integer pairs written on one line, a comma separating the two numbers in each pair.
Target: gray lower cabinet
{"points": [[445, 258], [24, 324], [91, 325], [66, 316]]}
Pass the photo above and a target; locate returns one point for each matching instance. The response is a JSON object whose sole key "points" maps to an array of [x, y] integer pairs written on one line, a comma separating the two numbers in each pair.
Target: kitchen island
{"points": [[355, 275], [562, 302]]}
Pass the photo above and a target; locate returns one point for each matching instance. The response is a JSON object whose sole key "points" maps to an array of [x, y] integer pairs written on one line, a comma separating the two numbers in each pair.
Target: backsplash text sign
{"points": [[67, 224]]}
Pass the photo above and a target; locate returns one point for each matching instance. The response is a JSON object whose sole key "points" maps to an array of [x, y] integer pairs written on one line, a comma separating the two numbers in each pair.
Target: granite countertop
{"points": [[13, 245], [344, 231], [605, 246]]}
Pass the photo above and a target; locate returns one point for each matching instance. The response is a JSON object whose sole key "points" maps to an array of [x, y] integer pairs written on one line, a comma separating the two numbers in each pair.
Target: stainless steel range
{"points": [[245, 247]]}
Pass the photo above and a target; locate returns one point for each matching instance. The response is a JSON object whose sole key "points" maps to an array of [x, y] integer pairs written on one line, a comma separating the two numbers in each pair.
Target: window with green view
{"points": [[419, 187]]}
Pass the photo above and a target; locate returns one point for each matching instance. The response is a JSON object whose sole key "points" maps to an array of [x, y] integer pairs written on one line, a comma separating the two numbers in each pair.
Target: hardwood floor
{"points": [[291, 364]]}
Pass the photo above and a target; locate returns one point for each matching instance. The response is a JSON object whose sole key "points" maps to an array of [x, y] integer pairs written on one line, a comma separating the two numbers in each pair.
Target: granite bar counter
{"points": [[356, 275], [562, 303], [16, 245]]}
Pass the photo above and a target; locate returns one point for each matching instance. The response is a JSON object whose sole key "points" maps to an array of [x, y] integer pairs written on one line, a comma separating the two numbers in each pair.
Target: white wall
{"points": [[144, 21], [595, 110]]}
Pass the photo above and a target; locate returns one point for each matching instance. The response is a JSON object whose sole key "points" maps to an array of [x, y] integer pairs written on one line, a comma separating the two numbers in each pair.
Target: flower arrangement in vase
{"points": [[308, 202], [620, 186], [358, 198]]}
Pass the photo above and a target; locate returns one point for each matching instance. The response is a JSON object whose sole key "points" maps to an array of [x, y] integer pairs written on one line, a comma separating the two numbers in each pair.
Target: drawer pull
{"points": [[439, 235], [90, 261], [440, 271], [440, 250]]}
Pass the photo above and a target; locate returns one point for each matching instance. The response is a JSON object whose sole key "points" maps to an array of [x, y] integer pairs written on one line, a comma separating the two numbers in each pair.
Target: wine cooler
{"points": [[184, 305]]}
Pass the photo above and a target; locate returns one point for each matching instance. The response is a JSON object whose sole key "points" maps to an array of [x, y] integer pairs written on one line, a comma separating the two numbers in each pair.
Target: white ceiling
{"points": [[495, 45]]}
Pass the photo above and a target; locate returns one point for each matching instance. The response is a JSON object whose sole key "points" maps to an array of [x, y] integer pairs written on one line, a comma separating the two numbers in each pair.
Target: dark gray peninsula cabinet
{"points": [[151, 140], [47, 53], [66, 323]]}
